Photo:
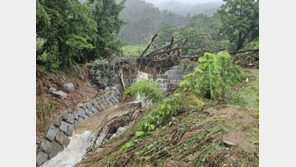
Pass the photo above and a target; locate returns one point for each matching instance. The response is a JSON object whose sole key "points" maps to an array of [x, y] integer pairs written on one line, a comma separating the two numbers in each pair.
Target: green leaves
{"points": [[212, 77], [145, 88]]}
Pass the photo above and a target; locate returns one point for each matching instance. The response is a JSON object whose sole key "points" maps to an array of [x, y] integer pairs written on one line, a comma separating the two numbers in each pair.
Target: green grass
{"points": [[246, 94], [133, 50]]}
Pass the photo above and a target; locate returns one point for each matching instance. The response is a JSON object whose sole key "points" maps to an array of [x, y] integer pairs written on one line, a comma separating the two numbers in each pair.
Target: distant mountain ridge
{"points": [[207, 8]]}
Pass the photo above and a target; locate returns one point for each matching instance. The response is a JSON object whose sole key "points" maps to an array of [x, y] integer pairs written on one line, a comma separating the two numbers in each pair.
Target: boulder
{"points": [[58, 120], [70, 130], [69, 87], [83, 106], [51, 90], [64, 126], [75, 115], [65, 115], [81, 113], [88, 113], [41, 158], [80, 120], [60, 94], [70, 118], [76, 123], [62, 139], [94, 109], [51, 133], [88, 105], [56, 148], [45, 146]]}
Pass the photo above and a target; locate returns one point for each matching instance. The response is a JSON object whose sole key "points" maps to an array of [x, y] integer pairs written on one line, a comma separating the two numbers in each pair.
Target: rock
{"points": [[76, 123], [58, 120], [94, 110], [80, 120], [41, 158], [51, 90], [62, 139], [51, 133], [88, 105], [69, 87], [107, 89], [81, 113], [83, 106], [114, 88], [88, 113], [175, 68], [60, 94], [228, 143], [64, 126], [70, 130], [70, 118], [56, 148], [75, 115], [64, 115], [39, 139], [45, 146]]}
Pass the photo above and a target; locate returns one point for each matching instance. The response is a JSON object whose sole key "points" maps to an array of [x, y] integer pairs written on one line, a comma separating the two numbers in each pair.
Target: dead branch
{"points": [[121, 79], [143, 36], [148, 46]]}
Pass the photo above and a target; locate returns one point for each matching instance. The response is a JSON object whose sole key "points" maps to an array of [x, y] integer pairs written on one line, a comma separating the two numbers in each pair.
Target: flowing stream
{"points": [[74, 152], [86, 132]]}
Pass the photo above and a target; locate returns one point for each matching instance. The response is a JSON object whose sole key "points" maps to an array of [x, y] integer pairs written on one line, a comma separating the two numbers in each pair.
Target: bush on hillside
{"points": [[213, 76], [145, 88]]}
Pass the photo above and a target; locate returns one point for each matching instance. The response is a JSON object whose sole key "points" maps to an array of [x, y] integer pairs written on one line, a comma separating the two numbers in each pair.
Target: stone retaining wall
{"points": [[58, 133]]}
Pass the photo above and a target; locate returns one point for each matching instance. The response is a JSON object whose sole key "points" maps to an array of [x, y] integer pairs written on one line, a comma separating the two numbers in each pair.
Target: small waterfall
{"points": [[74, 152]]}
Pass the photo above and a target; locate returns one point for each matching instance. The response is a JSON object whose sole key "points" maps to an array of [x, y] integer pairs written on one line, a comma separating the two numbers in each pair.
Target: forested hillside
{"points": [[144, 17], [207, 8]]}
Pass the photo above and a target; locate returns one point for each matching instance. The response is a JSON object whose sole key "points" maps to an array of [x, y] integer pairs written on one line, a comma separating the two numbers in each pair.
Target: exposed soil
{"points": [[49, 105]]}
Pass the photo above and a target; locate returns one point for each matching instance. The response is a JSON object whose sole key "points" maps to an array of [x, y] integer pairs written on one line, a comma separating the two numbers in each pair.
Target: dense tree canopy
{"points": [[70, 31], [240, 21]]}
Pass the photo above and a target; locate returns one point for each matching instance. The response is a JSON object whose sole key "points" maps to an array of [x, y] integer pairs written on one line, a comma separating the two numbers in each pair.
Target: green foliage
{"points": [[100, 72], [133, 50], [202, 24], [166, 34], [213, 76], [240, 21], [76, 32], [147, 89]]}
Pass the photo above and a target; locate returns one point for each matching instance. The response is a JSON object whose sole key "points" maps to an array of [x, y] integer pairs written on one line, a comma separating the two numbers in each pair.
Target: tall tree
{"points": [[106, 16], [240, 21], [67, 29]]}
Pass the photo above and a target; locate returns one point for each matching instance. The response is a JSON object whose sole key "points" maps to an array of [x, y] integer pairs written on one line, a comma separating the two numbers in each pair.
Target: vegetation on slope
{"points": [[188, 129]]}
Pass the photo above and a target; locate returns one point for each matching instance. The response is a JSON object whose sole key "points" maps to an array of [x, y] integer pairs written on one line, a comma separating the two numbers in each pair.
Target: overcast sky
{"points": [[156, 2]]}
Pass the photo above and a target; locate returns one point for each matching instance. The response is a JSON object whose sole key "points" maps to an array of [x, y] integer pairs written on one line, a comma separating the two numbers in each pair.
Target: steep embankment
{"points": [[219, 135], [48, 105]]}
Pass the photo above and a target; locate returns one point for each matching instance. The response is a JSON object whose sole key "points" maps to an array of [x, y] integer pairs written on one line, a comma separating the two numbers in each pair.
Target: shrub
{"points": [[100, 72], [213, 76], [145, 88]]}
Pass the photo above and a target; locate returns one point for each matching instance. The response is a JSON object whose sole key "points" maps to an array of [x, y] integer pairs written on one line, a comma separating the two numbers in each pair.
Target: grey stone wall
{"points": [[58, 133]]}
